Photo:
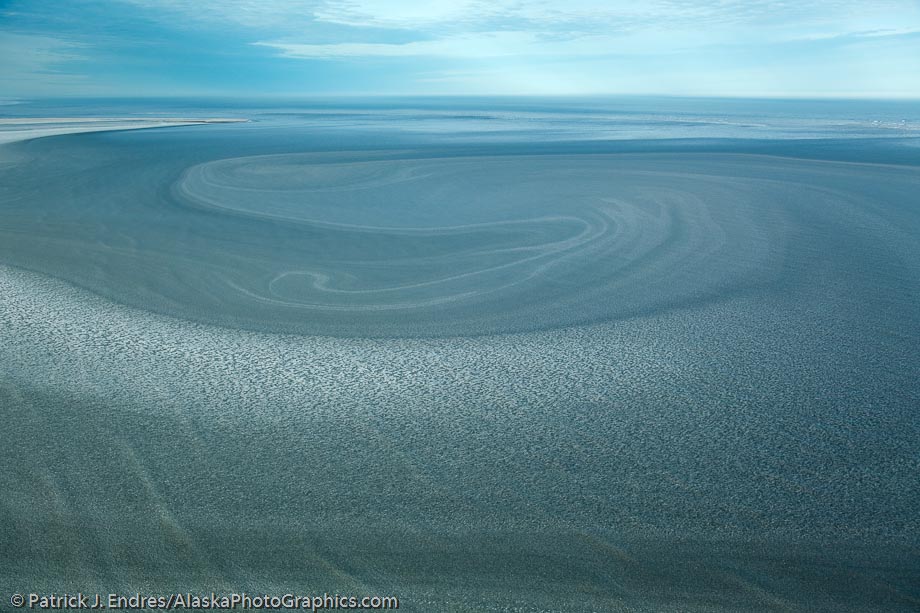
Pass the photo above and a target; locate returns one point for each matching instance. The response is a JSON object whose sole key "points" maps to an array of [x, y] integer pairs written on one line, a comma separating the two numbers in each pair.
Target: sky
{"points": [[749, 48]]}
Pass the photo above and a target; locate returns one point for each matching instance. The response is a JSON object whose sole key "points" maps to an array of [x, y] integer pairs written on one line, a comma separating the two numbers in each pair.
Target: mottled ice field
{"points": [[488, 371]]}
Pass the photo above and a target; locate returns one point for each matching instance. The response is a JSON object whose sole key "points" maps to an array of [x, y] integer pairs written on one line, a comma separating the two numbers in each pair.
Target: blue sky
{"points": [[805, 48]]}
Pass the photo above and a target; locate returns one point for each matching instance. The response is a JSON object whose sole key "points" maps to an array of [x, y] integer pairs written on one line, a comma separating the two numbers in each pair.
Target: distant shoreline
{"points": [[26, 128]]}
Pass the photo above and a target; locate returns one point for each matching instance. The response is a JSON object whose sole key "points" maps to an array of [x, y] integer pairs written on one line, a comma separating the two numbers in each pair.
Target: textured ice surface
{"points": [[751, 456], [736, 430]]}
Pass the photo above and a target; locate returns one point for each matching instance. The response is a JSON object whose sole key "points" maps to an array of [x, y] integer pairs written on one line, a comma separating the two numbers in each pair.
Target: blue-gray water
{"points": [[585, 355]]}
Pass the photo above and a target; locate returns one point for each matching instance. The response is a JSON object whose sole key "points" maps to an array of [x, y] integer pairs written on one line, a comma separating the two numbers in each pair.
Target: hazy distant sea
{"points": [[483, 354]]}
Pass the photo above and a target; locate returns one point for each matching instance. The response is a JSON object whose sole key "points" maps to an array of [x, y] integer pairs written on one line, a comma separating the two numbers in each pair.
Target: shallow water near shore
{"points": [[480, 357]]}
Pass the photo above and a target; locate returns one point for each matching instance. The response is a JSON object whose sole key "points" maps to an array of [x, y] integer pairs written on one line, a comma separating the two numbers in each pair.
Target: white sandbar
{"points": [[27, 128]]}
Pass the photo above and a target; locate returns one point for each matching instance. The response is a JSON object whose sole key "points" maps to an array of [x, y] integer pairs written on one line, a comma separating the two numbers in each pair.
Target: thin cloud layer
{"points": [[303, 47]]}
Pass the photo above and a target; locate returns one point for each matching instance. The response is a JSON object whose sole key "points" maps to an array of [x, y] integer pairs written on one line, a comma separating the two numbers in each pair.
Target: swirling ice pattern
{"points": [[383, 244], [491, 243]]}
